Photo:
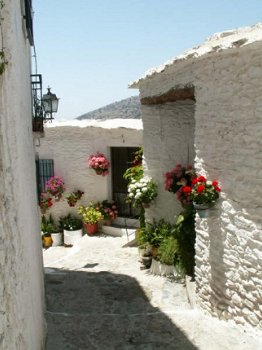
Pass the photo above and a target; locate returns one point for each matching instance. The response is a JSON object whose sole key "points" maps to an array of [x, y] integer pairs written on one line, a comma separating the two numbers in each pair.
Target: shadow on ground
{"points": [[104, 311]]}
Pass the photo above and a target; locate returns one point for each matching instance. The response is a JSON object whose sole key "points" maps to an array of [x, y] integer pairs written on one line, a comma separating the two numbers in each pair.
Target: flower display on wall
{"points": [[189, 188], [73, 197], [55, 186], [179, 176], [99, 163], [179, 181], [142, 192], [45, 203], [204, 191]]}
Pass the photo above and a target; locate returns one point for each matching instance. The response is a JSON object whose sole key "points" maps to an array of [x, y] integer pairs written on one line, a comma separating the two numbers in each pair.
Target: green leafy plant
{"points": [[135, 171], [184, 233], [48, 226], [154, 233], [90, 214], [168, 251], [70, 223]]}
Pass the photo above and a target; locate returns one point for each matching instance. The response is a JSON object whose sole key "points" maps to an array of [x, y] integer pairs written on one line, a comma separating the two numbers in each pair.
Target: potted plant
{"points": [[73, 197], [179, 181], [99, 163], [55, 186], [204, 194], [142, 192], [72, 228], [46, 229], [45, 203], [108, 210], [91, 215]]}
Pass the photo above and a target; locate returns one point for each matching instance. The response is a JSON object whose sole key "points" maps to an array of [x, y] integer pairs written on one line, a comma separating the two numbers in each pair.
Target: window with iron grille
{"points": [[45, 171]]}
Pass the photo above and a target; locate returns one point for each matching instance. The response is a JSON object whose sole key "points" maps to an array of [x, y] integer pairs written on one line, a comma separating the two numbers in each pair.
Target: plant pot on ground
{"points": [[91, 216], [72, 229], [47, 229]]}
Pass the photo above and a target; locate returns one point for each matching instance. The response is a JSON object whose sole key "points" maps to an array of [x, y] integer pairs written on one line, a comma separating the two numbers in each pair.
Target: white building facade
{"points": [[22, 324], [68, 145], [205, 108]]}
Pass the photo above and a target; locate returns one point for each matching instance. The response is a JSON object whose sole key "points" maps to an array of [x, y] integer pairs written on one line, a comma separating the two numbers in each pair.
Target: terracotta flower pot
{"points": [[91, 228]]}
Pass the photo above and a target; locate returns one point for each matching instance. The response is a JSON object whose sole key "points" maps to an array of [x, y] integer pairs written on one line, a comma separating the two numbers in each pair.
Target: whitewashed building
{"points": [[66, 148], [22, 324], [205, 108]]}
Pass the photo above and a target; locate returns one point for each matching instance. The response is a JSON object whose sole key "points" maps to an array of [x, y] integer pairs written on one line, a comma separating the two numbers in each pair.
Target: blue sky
{"points": [[89, 50]]}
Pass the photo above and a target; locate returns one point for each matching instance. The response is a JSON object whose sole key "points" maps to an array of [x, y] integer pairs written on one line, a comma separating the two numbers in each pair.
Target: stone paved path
{"points": [[97, 298]]}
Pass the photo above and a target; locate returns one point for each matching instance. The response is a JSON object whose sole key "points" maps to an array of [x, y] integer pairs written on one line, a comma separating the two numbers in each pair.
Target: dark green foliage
{"points": [[184, 232], [48, 226], [135, 171], [168, 251], [70, 223], [176, 242], [155, 233]]}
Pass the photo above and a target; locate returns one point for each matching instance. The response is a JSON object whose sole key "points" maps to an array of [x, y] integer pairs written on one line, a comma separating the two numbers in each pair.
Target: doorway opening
{"points": [[121, 158]]}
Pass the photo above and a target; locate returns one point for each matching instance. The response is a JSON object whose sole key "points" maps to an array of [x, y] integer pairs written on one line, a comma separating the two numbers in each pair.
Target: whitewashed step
{"points": [[126, 222], [119, 231]]}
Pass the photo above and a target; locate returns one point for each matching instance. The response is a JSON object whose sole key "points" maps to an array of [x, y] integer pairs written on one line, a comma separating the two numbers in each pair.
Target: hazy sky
{"points": [[89, 50]]}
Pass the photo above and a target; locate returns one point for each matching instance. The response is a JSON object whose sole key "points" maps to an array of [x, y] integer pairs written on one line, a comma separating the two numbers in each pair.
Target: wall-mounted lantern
{"points": [[50, 104]]}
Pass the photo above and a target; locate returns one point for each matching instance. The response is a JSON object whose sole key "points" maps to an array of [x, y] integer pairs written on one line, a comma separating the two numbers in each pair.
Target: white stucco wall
{"points": [[167, 141], [229, 147], [70, 144], [22, 324], [228, 143]]}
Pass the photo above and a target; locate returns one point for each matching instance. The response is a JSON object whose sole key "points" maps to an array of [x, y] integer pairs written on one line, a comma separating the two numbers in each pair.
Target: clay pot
{"points": [[91, 228]]}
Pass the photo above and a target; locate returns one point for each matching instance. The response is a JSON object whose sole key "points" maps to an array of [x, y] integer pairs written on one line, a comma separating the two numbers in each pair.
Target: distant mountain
{"points": [[128, 108]]}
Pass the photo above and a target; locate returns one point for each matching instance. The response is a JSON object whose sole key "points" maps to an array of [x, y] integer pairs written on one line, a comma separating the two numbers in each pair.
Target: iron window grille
{"points": [[45, 171]]}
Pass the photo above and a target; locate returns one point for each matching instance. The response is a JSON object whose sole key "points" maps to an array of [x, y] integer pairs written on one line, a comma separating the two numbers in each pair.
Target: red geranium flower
{"points": [[200, 188], [194, 181], [187, 189], [201, 179]]}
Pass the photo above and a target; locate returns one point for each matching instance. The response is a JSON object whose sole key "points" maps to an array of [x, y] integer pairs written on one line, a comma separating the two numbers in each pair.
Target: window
{"points": [[45, 169]]}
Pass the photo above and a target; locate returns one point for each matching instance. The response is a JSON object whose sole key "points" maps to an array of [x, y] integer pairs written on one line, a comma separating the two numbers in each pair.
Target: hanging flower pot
{"points": [[98, 171], [99, 163], [204, 210]]}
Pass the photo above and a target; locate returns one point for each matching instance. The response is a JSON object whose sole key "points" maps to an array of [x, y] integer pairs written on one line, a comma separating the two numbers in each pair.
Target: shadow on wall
{"points": [[105, 311]]}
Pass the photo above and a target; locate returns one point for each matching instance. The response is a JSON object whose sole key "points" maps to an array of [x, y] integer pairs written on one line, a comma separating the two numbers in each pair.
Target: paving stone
{"points": [[97, 297]]}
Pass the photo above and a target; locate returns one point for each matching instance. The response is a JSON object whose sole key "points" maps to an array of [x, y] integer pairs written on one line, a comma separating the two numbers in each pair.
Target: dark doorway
{"points": [[121, 158]]}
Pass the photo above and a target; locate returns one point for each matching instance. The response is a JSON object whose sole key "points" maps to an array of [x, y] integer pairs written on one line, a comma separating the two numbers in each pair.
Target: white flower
{"points": [[138, 195], [144, 189], [131, 195]]}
